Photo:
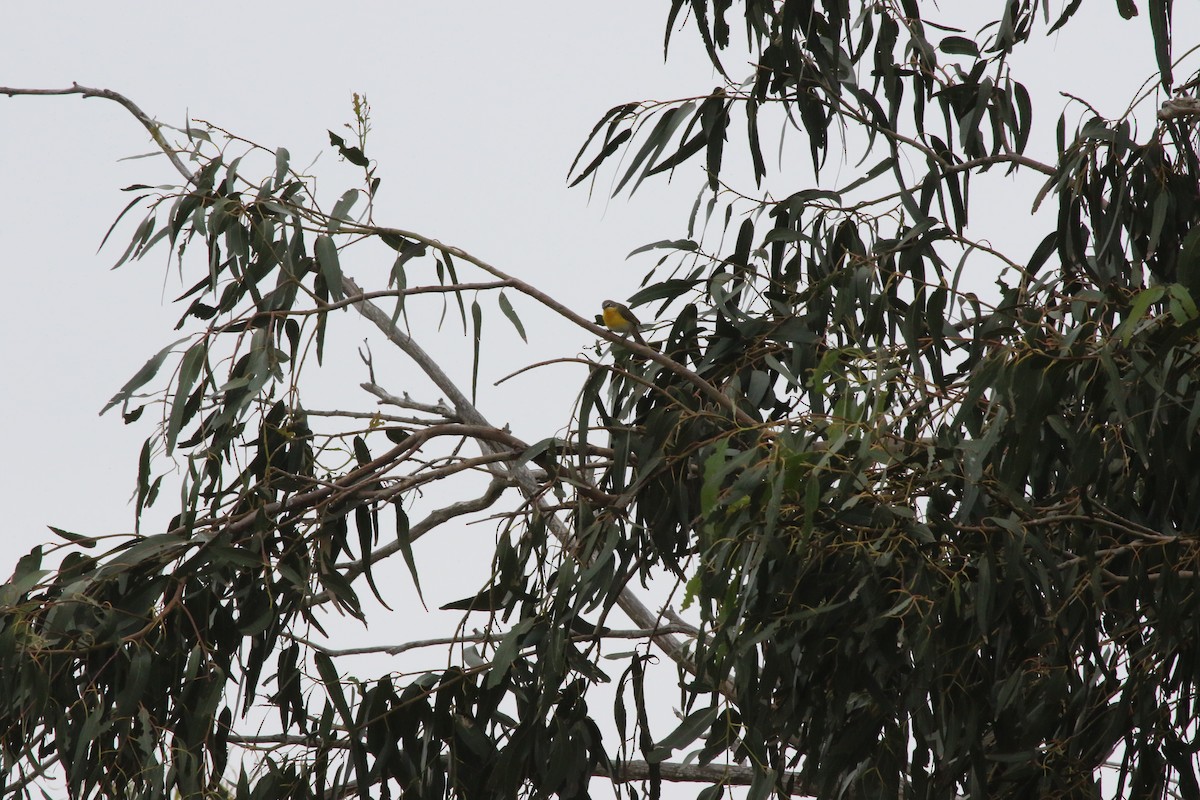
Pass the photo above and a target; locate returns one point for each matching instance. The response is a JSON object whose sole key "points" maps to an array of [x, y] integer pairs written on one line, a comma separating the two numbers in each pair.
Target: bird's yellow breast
{"points": [[616, 322]]}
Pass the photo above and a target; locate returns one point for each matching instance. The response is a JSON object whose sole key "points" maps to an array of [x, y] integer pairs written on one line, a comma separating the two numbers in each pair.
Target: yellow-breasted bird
{"points": [[619, 319]]}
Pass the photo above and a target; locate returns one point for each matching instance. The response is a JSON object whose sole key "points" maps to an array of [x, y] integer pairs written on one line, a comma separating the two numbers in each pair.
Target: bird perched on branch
{"points": [[619, 319]]}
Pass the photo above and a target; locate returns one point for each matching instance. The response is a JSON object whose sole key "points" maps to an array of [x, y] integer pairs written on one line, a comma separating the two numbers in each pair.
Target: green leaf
{"points": [[655, 143], [189, 370], [715, 470], [508, 650], [403, 540], [282, 159], [612, 118], [687, 245], [331, 269], [477, 325], [959, 46], [341, 211], [683, 153], [138, 241], [608, 150], [761, 785], [1183, 307], [507, 308], [1141, 303], [489, 599], [352, 154], [1188, 265], [873, 173], [95, 723], [26, 575], [135, 681], [76, 538], [694, 725], [333, 685], [1073, 6], [124, 211], [1160, 27], [362, 454], [142, 376]]}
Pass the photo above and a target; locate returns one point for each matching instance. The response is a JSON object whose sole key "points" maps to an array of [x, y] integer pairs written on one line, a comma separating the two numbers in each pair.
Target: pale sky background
{"points": [[478, 110]]}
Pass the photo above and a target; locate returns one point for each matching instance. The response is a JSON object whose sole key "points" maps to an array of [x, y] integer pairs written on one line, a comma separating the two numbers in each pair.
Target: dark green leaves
{"points": [[331, 270], [692, 728], [351, 153], [703, 128], [611, 145], [189, 370], [959, 45], [1160, 28], [402, 538]]}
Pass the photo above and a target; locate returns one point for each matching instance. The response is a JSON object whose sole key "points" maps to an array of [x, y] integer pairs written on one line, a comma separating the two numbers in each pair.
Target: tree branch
{"points": [[623, 771], [373, 416], [727, 774], [386, 398], [147, 122], [397, 649]]}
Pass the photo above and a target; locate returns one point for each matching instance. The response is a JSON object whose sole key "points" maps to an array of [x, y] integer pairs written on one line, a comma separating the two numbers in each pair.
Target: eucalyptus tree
{"points": [[931, 534]]}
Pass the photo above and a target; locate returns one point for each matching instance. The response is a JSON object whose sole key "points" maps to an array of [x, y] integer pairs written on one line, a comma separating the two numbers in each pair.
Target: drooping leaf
{"points": [[142, 376]]}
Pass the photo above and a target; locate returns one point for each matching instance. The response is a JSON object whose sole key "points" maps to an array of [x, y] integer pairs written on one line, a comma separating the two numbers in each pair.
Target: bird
{"points": [[619, 319]]}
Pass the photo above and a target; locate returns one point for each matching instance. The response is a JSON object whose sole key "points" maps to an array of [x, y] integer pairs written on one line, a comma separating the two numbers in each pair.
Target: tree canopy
{"points": [[924, 507]]}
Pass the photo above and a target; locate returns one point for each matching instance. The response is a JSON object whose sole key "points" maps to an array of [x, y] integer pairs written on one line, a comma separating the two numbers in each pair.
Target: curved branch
{"points": [[404, 647], [147, 122]]}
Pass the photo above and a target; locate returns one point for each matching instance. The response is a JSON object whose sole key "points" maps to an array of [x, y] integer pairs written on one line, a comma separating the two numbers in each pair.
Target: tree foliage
{"points": [[935, 535]]}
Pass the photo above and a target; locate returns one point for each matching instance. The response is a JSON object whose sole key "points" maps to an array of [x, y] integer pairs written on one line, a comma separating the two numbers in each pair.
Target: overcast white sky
{"points": [[476, 115], [478, 110]]}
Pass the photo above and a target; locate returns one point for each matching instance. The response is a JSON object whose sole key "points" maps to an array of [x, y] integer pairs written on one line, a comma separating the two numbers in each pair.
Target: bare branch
{"points": [[397, 649], [1178, 107], [373, 416], [385, 397], [147, 122]]}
